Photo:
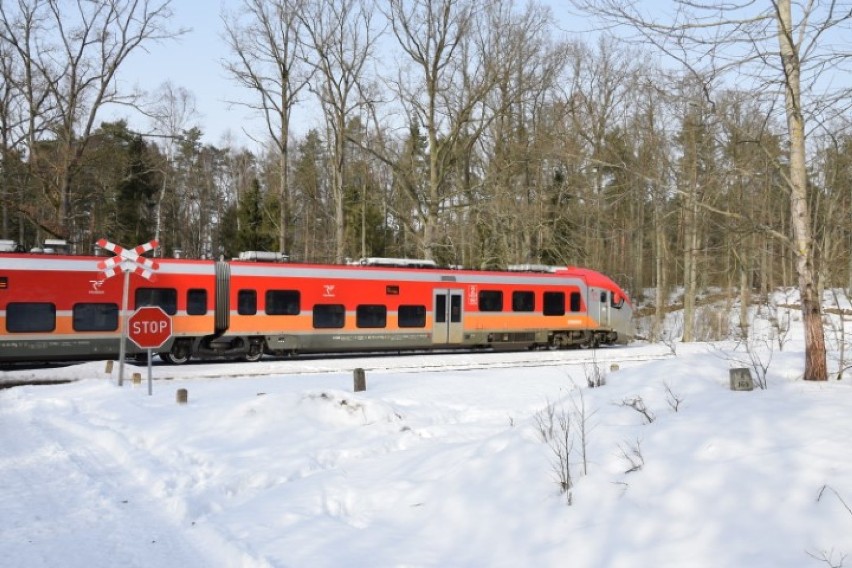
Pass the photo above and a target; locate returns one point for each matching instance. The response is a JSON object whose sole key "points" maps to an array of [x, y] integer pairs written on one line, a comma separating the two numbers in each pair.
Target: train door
{"points": [[599, 306], [447, 326]]}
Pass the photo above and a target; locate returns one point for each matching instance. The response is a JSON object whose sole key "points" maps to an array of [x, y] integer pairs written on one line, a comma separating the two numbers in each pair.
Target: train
{"points": [[62, 307]]}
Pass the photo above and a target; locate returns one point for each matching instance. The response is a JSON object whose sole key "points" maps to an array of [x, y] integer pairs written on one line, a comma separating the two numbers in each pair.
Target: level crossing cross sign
{"points": [[149, 327], [153, 329], [128, 260]]}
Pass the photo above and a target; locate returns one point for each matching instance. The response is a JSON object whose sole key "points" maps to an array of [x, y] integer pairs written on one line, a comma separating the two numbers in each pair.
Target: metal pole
{"points": [[122, 349], [150, 384]]}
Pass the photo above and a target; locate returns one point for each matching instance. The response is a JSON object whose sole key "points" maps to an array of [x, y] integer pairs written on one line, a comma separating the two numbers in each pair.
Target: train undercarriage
{"points": [[253, 348]]}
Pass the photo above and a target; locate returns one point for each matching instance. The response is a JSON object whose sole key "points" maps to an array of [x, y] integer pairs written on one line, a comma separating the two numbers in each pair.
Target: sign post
{"points": [[149, 327], [126, 261]]}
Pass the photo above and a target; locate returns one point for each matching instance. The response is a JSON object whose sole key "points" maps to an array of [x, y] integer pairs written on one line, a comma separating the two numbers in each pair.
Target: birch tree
{"points": [[782, 50]]}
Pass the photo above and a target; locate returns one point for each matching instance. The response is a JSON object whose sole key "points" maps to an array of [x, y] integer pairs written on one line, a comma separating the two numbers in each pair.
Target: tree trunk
{"points": [[815, 357], [660, 270]]}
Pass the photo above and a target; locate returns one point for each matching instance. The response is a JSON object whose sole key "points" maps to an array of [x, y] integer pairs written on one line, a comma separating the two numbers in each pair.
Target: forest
{"points": [[662, 151]]}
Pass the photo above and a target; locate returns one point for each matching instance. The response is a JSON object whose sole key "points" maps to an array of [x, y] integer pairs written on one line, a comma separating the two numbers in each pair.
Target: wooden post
{"points": [[109, 367], [137, 379], [360, 380], [182, 396], [614, 367]]}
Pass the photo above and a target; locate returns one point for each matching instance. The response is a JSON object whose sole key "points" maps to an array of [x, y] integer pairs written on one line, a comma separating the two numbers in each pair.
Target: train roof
{"points": [[590, 276]]}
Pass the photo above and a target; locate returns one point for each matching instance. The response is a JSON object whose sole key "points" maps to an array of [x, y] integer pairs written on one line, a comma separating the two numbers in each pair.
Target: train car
{"points": [[60, 307]]}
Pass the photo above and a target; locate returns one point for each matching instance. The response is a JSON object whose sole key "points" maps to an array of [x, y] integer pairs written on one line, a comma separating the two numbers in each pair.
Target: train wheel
{"points": [[252, 357], [180, 354]]}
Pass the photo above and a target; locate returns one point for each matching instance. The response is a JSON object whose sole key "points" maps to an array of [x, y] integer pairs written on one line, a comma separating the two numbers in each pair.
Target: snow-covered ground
{"points": [[280, 463]]}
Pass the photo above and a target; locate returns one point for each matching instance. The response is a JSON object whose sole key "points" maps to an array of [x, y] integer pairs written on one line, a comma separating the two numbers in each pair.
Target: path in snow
{"points": [[90, 491]]}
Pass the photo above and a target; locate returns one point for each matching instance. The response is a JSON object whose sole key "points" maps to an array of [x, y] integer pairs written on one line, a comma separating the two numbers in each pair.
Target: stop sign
{"points": [[149, 327]]}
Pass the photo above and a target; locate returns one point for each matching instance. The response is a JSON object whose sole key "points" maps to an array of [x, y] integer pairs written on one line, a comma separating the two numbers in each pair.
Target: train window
{"points": [[523, 301], [196, 302], [441, 308], [455, 308], [554, 303], [283, 302], [28, 317], [329, 316], [490, 301], [576, 302], [412, 316], [371, 316], [247, 302], [617, 301], [166, 298], [95, 317]]}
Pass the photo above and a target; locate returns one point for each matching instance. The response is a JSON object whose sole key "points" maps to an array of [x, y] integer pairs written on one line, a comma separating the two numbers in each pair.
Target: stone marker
{"points": [[182, 396], [108, 367], [741, 380]]}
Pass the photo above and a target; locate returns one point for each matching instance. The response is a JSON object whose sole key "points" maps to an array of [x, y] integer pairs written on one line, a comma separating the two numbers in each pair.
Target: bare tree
{"points": [[431, 35], [782, 56], [265, 38], [342, 37], [70, 54], [504, 174], [172, 112]]}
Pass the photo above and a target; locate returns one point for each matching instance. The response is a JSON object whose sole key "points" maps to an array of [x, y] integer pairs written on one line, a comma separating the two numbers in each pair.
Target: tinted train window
{"points": [[491, 301], [371, 316], [523, 302], [283, 302], [166, 298], [412, 316], [554, 303], [441, 308], [247, 302], [196, 302], [329, 316], [27, 317], [95, 317], [576, 302]]}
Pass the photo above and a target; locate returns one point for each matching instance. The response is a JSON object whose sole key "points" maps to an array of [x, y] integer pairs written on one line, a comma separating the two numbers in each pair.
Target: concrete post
{"points": [[360, 379]]}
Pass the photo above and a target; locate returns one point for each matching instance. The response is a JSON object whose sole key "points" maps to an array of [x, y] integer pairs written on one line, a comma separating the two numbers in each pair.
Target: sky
{"points": [[442, 462], [194, 62]]}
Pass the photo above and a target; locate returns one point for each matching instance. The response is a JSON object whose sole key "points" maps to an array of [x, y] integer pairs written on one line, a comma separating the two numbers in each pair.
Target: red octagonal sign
{"points": [[149, 327]]}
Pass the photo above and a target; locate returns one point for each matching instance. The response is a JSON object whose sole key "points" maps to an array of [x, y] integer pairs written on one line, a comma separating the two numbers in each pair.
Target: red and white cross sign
{"points": [[128, 260]]}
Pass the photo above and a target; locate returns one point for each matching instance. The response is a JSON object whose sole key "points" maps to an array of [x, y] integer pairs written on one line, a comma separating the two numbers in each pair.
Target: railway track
{"points": [[417, 363], [386, 362]]}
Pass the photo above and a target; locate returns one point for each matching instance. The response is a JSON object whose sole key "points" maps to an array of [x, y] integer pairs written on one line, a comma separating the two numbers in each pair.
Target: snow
{"points": [[440, 462]]}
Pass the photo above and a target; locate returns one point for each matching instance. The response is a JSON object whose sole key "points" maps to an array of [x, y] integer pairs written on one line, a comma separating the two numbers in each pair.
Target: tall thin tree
{"points": [[265, 38]]}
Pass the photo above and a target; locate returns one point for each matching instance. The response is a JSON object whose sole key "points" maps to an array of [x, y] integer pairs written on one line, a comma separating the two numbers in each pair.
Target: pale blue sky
{"points": [[194, 62]]}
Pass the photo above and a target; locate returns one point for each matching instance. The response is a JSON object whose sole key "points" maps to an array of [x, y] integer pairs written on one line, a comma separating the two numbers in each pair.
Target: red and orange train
{"points": [[61, 307]]}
